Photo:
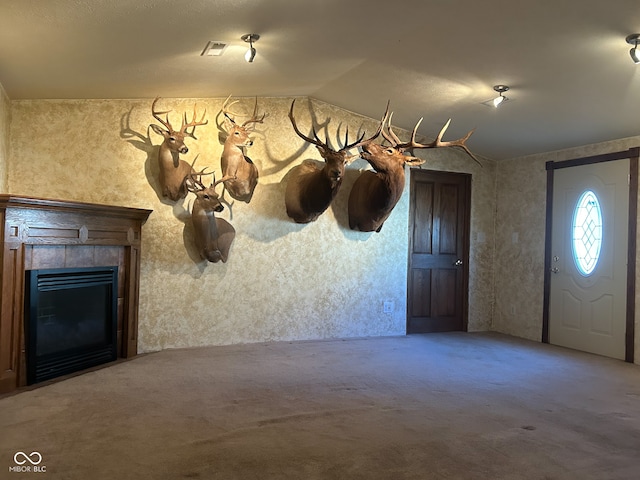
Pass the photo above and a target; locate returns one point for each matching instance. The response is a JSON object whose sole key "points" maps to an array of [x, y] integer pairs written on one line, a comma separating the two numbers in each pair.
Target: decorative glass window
{"points": [[587, 232]]}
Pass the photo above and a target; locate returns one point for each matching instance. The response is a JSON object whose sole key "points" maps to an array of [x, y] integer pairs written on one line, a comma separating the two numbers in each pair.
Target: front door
{"points": [[438, 251], [588, 271]]}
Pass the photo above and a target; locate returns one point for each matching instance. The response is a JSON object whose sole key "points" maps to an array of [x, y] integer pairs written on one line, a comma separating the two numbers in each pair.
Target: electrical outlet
{"points": [[387, 306]]}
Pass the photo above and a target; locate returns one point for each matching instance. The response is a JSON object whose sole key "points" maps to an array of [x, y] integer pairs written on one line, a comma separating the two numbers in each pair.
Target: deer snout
{"points": [[371, 151], [183, 149], [218, 208], [213, 256], [335, 175]]}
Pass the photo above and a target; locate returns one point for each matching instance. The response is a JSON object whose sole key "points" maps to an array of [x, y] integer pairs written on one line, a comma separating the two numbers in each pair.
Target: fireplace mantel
{"points": [[44, 233]]}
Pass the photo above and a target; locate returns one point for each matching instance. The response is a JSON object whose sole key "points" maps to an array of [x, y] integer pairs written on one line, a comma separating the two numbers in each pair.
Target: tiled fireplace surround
{"points": [[40, 233]]}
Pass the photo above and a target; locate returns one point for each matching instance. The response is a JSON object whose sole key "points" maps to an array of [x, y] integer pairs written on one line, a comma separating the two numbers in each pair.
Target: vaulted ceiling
{"points": [[572, 81]]}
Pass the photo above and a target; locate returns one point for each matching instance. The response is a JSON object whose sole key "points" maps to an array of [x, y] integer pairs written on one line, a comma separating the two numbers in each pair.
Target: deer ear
{"points": [[159, 130], [322, 150], [228, 123], [351, 158]]}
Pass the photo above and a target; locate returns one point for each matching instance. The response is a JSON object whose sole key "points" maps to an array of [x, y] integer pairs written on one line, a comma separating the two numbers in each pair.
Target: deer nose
{"points": [[183, 150], [214, 256]]}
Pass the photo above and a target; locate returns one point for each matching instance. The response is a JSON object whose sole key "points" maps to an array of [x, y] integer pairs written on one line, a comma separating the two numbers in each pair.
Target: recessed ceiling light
{"points": [[214, 49]]}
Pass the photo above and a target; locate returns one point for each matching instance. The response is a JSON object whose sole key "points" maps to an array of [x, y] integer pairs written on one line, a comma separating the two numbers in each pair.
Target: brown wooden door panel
{"points": [[422, 238], [449, 219], [420, 293], [444, 287], [439, 241]]}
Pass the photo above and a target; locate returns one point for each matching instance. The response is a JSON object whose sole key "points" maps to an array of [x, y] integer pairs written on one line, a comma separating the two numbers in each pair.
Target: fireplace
{"points": [[40, 234], [70, 320]]}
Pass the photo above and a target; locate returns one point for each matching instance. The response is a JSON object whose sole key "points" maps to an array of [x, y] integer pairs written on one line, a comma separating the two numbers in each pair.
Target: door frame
{"points": [[632, 154], [466, 241]]}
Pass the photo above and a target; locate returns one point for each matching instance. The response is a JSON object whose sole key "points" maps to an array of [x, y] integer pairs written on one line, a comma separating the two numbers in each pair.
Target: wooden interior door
{"points": [[438, 251]]}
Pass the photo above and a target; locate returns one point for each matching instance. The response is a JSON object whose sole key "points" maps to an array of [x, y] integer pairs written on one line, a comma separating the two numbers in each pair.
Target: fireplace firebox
{"points": [[70, 320]]}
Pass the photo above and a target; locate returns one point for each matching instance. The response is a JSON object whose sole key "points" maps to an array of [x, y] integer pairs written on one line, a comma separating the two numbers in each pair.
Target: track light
{"points": [[500, 98], [634, 39], [251, 52]]}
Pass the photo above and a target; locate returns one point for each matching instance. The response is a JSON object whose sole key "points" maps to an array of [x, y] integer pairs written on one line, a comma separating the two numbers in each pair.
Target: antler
{"points": [[193, 123], [439, 143], [392, 138], [185, 125], [315, 140], [347, 145], [379, 130], [254, 118], [225, 109], [228, 113], [195, 184], [155, 114]]}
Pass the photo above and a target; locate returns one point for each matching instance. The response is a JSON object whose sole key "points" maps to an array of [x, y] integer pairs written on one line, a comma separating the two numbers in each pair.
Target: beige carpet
{"points": [[437, 406]]}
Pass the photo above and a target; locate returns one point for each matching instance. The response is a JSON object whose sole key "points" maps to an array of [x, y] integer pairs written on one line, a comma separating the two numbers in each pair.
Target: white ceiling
{"points": [[567, 63]]}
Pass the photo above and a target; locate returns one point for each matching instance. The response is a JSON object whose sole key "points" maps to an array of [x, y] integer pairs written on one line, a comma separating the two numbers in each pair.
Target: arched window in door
{"points": [[587, 232]]}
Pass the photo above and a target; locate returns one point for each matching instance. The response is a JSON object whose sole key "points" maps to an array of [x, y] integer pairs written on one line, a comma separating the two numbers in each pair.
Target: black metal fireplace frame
{"points": [[41, 367]]}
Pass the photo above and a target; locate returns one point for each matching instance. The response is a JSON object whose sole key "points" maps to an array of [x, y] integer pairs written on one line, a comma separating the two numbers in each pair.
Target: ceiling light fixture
{"points": [[500, 98], [251, 52], [214, 48], [634, 39]]}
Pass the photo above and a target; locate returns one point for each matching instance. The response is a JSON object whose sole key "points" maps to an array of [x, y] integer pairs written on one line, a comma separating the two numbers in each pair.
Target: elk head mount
{"points": [[310, 189], [173, 170], [213, 235], [375, 193], [237, 167]]}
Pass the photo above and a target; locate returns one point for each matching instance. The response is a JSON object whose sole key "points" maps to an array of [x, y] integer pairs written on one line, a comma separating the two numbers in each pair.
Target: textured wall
{"points": [[283, 281], [520, 234], [5, 121]]}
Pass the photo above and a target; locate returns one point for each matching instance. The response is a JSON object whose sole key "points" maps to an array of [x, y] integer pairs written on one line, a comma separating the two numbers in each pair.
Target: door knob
{"points": [[458, 263]]}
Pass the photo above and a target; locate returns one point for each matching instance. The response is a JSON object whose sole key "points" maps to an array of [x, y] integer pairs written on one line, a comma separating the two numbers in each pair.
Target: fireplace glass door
{"points": [[70, 320]]}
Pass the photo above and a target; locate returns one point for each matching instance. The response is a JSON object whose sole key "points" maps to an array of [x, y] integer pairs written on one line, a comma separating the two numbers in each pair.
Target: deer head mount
{"points": [[236, 165], [213, 235], [173, 170], [310, 189], [375, 193]]}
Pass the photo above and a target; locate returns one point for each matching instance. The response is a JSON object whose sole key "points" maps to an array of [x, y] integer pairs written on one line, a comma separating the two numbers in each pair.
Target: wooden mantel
{"points": [[42, 233]]}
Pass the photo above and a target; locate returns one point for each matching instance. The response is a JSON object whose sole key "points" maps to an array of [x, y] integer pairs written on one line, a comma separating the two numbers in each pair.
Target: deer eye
{"points": [[172, 139], [206, 196], [389, 151]]}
